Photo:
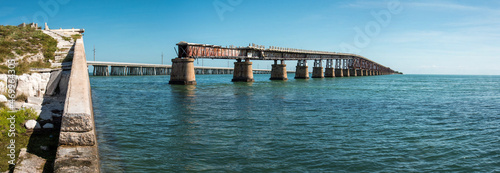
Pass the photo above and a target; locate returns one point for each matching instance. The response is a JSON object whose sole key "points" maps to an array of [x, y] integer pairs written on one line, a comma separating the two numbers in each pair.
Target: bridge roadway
{"points": [[345, 64], [127, 69]]}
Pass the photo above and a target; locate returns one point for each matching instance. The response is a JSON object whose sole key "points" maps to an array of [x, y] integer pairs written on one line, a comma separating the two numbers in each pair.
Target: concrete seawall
{"points": [[78, 151]]}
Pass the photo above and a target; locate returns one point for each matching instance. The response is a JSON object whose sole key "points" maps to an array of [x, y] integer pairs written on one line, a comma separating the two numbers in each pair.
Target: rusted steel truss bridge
{"points": [[337, 64]]}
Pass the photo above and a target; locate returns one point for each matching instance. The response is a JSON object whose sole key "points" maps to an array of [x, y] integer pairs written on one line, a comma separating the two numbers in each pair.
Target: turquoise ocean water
{"points": [[394, 123]]}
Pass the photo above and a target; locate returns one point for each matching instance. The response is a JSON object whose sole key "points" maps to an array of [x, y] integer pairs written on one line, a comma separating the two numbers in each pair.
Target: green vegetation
{"points": [[21, 116], [21, 137], [24, 40], [24, 67], [66, 38], [26, 139], [76, 36]]}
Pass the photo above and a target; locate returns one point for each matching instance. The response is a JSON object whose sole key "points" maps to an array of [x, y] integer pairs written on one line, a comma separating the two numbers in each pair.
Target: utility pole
{"points": [[94, 52], [161, 58]]}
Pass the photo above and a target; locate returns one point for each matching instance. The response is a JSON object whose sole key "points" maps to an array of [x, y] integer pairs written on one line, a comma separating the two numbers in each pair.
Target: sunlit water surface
{"points": [[396, 123]]}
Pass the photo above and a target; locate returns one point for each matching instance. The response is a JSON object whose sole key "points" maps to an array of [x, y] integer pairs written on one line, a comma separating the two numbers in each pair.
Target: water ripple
{"points": [[410, 123]]}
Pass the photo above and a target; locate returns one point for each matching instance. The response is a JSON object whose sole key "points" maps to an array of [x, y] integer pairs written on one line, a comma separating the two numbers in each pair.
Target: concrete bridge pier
{"points": [[118, 71], [353, 72], [182, 72], [302, 71], [329, 70], [339, 72], [101, 70], [243, 71], [278, 71], [161, 71], [338, 68], [347, 72], [148, 71], [318, 69]]}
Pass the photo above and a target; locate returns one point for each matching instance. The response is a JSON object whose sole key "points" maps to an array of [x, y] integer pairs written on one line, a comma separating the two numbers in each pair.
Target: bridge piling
{"points": [[278, 71], [329, 70], [182, 72], [318, 69], [101, 70], [338, 68], [243, 71], [302, 71], [347, 73], [352, 72]]}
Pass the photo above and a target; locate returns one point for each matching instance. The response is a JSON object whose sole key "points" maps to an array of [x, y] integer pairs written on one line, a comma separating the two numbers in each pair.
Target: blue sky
{"points": [[417, 37]]}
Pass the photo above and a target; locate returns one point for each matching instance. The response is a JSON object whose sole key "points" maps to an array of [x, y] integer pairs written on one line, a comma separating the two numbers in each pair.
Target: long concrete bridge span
{"points": [[337, 64], [133, 69]]}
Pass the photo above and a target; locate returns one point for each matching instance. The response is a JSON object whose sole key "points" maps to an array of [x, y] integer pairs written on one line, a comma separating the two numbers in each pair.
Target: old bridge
{"points": [[337, 64]]}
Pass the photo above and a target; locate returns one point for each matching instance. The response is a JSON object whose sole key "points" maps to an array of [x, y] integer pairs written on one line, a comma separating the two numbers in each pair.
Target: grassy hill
{"points": [[21, 43]]}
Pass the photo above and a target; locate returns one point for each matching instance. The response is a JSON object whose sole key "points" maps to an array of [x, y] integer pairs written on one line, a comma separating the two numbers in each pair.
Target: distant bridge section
{"points": [[102, 68]]}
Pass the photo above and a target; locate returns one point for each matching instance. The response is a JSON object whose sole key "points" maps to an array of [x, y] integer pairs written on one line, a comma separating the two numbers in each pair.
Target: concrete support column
{"points": [[100, 70], [338, 68], [278, 71], [339, 73], [329, 70], [360, 72], [302, 71], [243, 71], [347, 72], [318, 72], [182, 72], [353, 72], [318, 69]]}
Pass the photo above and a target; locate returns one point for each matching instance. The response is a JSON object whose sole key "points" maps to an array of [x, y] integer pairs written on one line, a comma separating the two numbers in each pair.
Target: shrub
{"points": [[66, 38], [21, 98], [76, 36]]}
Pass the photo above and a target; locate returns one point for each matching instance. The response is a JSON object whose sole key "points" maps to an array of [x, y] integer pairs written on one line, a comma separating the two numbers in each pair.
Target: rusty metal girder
{"points": [[351, 61]]}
